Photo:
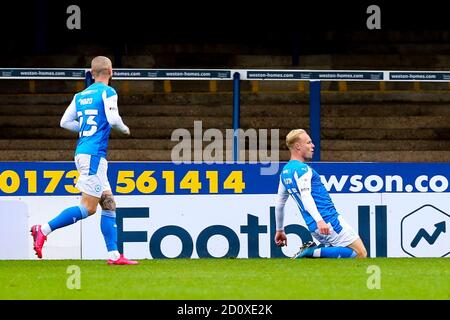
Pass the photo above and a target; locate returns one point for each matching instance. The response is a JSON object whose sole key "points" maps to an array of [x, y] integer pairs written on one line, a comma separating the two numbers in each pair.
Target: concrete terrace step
{"points": [[335, 110], [167, 144], [166, 133], [70, 144], [165, 155], [129, 87], [23, 86], [113, 155], [386, 109], [387, 156], [386, 122], [386, 134], [351, 122], [385, 145], [59, 133], [19, 122], [67, 155], [165, 110], [132, 122], [247, 98]]}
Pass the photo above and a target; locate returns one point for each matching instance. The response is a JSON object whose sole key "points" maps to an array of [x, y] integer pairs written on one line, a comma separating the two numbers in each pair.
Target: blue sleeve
{"points": [[301, 169], [110, 92]]}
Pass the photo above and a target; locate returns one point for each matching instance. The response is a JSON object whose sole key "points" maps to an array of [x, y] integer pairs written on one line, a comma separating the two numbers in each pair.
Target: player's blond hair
{"points": [[293, 136], [100, 66]]}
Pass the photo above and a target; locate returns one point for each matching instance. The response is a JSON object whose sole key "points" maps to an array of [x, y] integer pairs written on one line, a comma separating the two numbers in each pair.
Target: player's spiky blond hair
{"points": [[293, 136]]}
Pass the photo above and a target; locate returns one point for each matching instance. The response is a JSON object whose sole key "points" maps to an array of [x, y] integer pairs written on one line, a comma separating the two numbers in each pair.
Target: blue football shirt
{"points": [[94, 126], [297, 177]]}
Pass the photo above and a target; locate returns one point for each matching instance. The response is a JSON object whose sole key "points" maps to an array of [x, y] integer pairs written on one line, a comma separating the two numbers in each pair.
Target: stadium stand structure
{"points": [[355, 126], [361, 121]]}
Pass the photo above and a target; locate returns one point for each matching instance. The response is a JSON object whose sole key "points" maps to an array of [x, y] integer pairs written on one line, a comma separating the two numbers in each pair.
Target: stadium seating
{"points": [[380, 126], [361, 121]]}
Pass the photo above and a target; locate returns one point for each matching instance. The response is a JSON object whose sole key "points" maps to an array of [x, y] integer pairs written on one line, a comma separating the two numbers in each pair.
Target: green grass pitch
{"points": [[224, 279]]}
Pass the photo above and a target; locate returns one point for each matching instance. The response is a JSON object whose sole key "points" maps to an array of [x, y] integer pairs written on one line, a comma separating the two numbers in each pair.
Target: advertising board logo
{"points": [[424, 232], [380, 229], [199, 242]]}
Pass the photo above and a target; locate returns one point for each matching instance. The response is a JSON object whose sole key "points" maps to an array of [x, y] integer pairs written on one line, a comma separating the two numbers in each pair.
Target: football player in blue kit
{"points": [[92, 113], [336, 237]]}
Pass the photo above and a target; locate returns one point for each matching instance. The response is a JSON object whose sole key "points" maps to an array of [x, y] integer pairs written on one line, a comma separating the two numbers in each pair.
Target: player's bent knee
{"points": [[91, 209], [359, 248], [361, 253], [107, 202]]}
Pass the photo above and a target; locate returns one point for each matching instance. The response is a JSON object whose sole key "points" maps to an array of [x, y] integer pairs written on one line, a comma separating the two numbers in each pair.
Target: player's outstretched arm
{"points": [[282, 196], [112, 114], [69, 119], [304, 183]]}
